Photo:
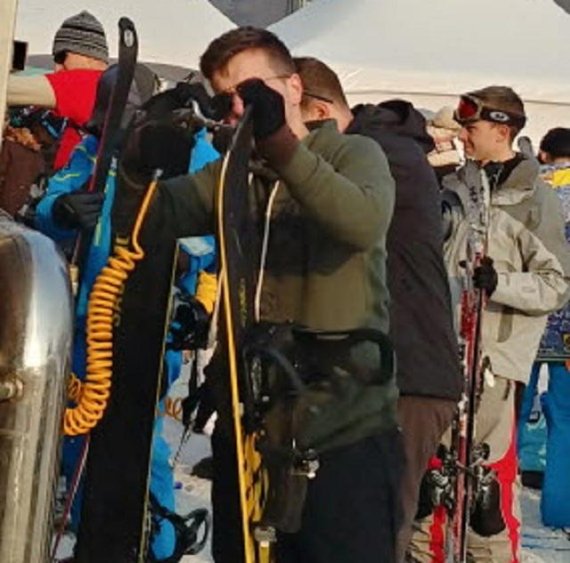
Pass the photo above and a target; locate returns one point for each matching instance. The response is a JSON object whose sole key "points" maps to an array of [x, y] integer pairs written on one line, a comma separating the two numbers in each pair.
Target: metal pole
{"points": [[8, 10]]}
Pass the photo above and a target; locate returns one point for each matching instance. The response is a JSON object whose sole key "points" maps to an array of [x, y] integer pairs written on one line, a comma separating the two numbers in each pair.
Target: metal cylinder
{"points": [[35, 345]]}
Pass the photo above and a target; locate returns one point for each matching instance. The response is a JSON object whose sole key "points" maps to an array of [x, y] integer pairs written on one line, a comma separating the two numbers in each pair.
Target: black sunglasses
{"points": [[221, 105], [310, 94], [59, 57]]}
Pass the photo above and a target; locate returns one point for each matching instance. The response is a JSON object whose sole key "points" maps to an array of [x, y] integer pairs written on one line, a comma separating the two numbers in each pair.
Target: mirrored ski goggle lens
{"points": [[467, 110]]}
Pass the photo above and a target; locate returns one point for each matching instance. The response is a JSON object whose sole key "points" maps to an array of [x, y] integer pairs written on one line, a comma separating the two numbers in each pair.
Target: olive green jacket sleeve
{"points": [[353, 200], [186, 203]]}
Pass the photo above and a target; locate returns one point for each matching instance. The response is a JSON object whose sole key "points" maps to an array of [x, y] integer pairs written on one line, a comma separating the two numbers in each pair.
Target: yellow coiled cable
{"points": [[92, 394]]}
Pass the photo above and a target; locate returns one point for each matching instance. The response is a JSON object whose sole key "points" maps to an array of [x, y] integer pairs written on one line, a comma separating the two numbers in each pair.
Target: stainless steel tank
{"points": [[35, 345]]}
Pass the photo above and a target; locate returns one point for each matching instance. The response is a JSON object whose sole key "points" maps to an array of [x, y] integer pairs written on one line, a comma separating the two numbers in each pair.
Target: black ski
{"points": [[236, 241], [115, 497], [109, 143], [111, 134], [116, 516]]}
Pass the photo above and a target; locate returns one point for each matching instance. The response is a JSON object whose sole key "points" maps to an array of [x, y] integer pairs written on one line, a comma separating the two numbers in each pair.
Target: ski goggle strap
{"points": [[471, 109]]}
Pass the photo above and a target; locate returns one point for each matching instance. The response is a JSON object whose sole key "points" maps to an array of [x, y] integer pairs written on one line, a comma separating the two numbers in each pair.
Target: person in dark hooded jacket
{"points": [[421, 327]]}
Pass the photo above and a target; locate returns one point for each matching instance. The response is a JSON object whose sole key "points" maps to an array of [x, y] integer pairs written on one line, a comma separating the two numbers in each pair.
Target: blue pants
{"points": [[161, 473], [555, 504], [162, 488], [161, 477]]}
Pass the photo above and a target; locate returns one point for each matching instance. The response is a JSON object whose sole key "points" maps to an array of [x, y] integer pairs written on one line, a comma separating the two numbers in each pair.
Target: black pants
{"points": [[352, 511]]}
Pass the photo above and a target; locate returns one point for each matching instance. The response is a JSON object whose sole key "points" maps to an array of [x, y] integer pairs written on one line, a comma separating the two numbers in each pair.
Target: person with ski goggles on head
{"points": [[328, 199], [80, 55], [525, 275]]}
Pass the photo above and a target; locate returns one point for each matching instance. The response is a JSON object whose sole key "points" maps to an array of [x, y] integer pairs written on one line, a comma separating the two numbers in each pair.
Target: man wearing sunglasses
{"points": [[524, 276], [80, 56], [421, 327], [328, 200]]}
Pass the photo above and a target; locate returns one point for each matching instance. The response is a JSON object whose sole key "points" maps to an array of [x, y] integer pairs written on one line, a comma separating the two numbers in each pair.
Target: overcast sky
{"points": [[253, 12]]}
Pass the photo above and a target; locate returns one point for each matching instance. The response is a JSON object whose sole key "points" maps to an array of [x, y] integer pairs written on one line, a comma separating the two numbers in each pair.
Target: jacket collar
{"points": [[519, 185]]}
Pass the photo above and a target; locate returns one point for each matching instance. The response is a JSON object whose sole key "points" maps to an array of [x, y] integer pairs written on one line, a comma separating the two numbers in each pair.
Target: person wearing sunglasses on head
{"points": [[524, 276], [322, 202], [80, 56]]}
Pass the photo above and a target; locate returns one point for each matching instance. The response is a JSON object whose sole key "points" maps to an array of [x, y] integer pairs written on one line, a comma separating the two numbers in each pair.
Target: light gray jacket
{"points": [[531, 256]]}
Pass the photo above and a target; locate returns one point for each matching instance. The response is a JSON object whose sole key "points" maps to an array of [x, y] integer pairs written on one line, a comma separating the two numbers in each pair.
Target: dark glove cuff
{"points": [[279, 147]]}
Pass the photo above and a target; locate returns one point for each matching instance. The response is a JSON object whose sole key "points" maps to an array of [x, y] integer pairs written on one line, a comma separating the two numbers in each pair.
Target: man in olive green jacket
{"points": [[329, 199]]}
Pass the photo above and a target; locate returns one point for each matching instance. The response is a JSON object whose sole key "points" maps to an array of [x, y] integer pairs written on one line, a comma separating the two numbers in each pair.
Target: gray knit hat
{"points": [[82, 34]]}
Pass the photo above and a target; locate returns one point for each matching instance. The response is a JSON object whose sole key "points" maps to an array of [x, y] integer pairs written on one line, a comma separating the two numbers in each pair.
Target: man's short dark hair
{"points": [[319, 81], [502, 98], [556, 142], [233, 42]]}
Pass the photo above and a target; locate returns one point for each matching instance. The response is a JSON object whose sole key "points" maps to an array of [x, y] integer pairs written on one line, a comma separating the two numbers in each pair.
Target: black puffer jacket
{"points": [[420, 313]]}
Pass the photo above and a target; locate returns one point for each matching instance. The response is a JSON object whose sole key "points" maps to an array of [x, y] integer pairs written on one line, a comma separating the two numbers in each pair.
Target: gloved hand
{"points": [[167, 147], [78, 210], [268, 107], [274, 139], [155, 145], [189, 327], [485, 276]]}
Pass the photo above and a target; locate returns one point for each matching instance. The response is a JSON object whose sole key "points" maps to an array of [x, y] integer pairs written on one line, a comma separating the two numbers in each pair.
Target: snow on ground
{"points": [[540, 544]]}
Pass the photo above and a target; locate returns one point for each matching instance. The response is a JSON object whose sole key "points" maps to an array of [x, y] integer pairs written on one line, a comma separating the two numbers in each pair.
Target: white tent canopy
{"points": [[431, 51], [174, 32]]}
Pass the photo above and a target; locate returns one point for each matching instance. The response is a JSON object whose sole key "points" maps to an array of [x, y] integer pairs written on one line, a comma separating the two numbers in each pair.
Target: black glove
{"points": [[165, 146], [485, 276], [189, 327], [158, 145], [268, 107], [78, 210]]}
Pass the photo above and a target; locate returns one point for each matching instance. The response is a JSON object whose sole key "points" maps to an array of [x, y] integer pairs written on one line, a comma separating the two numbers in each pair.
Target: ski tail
{"points": [[128, 52], [111, 134]]}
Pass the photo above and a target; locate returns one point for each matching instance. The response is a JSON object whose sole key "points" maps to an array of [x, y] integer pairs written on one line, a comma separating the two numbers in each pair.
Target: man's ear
{"points": [[321, 110], [315, 110], [503, 133], [295, 87]]}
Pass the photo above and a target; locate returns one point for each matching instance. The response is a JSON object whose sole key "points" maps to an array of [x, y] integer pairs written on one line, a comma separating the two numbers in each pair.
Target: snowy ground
{"points": [[540, 544]]}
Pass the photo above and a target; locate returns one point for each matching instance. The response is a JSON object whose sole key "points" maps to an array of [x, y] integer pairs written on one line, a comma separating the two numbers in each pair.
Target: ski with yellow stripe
{"points": [[234, 229]]}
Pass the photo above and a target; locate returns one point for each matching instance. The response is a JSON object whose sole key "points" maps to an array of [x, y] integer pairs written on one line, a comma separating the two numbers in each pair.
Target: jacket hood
{"points": [[519, 184], [394, 116]]}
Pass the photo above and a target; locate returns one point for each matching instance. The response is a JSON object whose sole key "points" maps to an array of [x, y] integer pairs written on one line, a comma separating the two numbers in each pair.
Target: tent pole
{"points": [[8, 10]]}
